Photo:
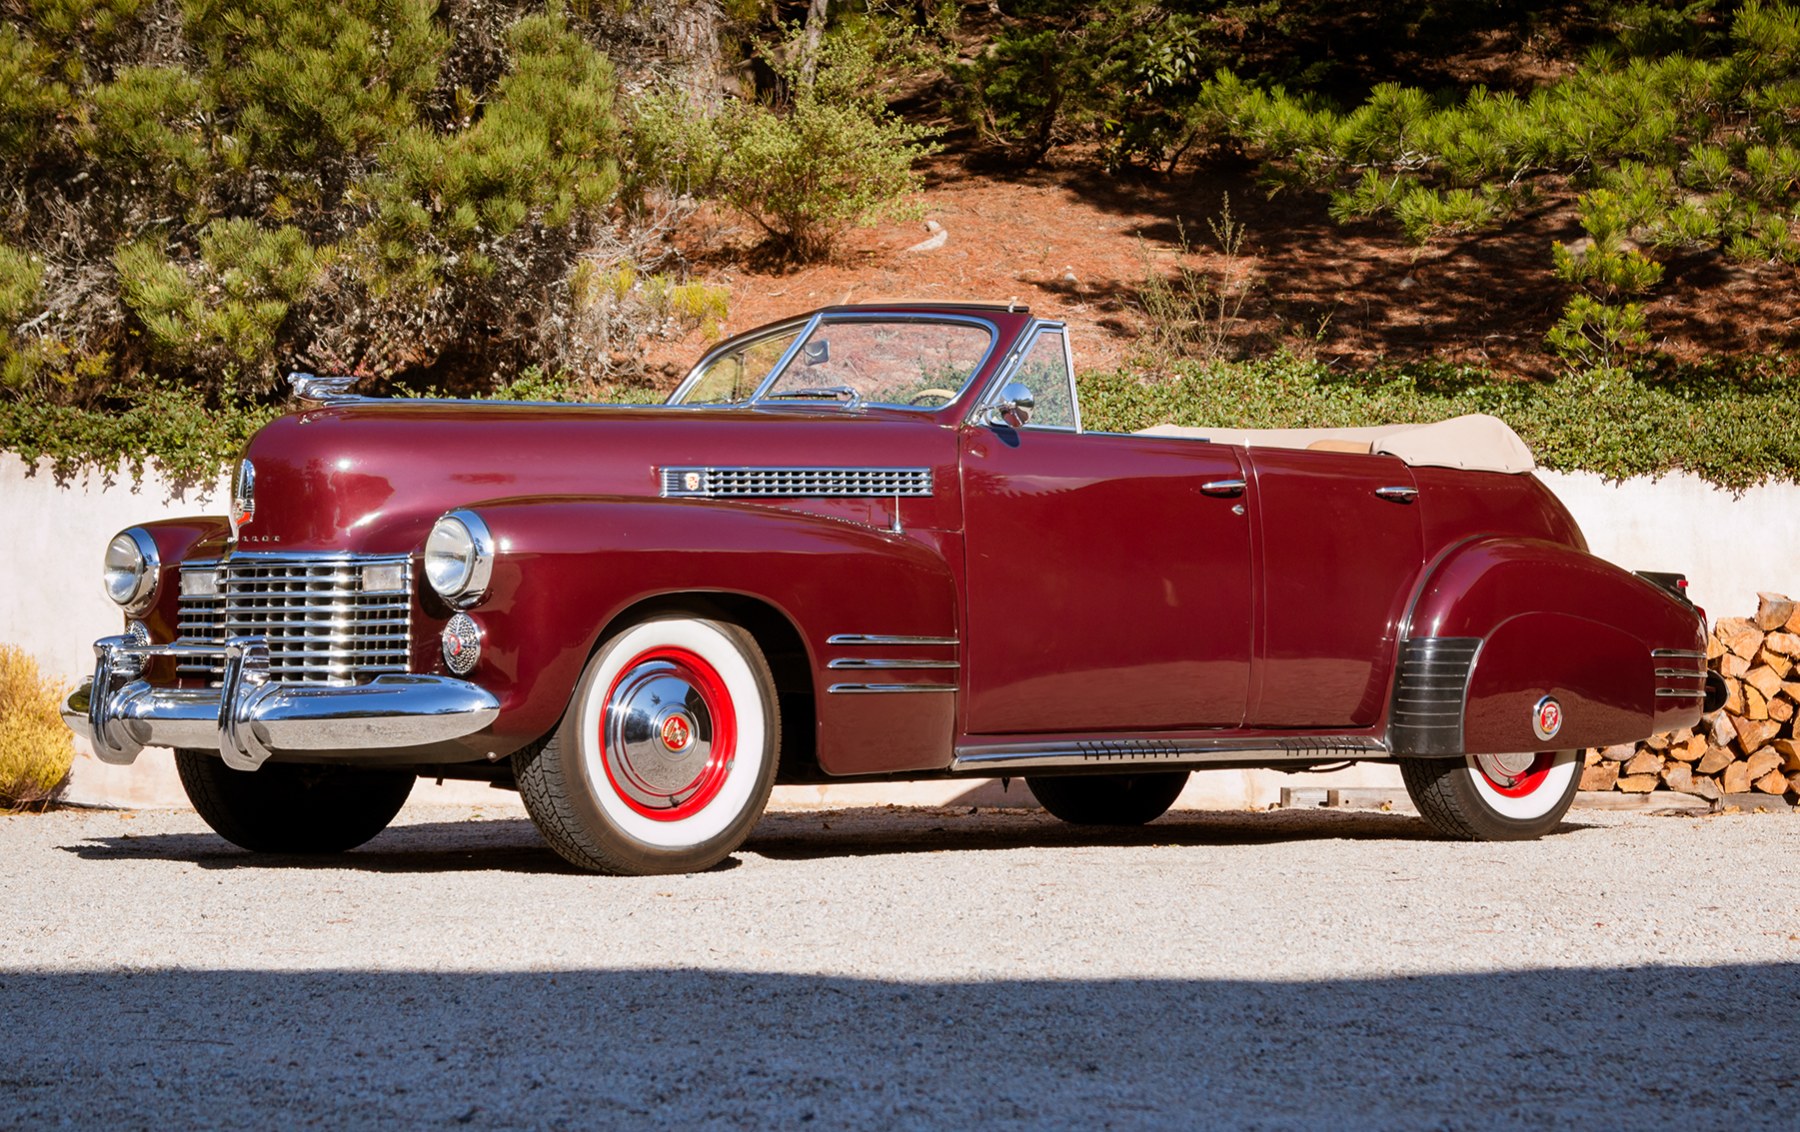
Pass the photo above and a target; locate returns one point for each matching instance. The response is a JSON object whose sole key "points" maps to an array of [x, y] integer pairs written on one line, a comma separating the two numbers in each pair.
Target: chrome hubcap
{"points": [[1507, 769], [658, 734]]}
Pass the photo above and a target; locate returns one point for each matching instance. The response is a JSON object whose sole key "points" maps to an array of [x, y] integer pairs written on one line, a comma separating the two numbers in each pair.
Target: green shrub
{"points": [[187, 435], [226, 311], [147, 126], [543, 149], [21, 278], [807, 173], [310, 80], [32, 97], [36, 749]]}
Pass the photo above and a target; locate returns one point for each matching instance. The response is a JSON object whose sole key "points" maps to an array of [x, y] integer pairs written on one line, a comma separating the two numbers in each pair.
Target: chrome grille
{"points": [[738, 483], [321, 625]]}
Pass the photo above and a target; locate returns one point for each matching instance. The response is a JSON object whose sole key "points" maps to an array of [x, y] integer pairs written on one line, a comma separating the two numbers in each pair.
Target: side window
{"points": [[734, 376], [1045, 370]]}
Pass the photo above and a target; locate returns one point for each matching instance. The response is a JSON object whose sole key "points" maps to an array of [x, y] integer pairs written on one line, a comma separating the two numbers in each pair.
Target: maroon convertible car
{"points": [[867, 543]]}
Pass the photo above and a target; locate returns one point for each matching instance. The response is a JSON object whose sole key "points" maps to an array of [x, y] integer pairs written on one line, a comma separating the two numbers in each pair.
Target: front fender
{"points": [[568, 567], [1541, 619], [176, 541]]}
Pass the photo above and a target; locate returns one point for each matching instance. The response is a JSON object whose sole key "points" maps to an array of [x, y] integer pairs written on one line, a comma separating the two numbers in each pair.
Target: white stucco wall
{"points": [[1730, 546], [51, 602]]}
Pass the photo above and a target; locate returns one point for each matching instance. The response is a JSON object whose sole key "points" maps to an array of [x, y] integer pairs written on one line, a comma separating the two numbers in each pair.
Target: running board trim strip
{"points": [[1097, 752]]}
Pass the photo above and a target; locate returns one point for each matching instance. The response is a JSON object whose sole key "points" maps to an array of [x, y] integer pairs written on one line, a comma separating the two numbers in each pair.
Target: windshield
{"points": [[912, 363]]}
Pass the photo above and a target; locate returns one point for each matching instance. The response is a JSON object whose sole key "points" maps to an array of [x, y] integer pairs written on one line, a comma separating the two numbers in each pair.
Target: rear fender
{"points": [[569, 567], [1503, 625]]}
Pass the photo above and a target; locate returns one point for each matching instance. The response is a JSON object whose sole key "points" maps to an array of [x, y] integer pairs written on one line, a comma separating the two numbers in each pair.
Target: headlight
{"points": [[459, 558], [132, 567]]}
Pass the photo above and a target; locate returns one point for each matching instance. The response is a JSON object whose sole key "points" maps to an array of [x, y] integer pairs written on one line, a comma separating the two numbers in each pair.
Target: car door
{"points": [[1108, 579], [1339, 551]]}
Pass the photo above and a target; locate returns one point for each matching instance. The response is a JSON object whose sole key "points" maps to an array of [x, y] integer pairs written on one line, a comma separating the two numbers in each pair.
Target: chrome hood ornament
{"points": [[324, 390]]}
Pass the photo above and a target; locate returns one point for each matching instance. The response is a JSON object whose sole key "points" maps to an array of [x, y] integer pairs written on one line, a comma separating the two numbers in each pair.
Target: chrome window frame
{"points": [[1028, 340], [760, 400], [722, 349]]}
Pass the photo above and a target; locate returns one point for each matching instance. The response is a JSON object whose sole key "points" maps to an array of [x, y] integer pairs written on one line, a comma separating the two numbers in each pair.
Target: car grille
{"points": [[321, 625]]}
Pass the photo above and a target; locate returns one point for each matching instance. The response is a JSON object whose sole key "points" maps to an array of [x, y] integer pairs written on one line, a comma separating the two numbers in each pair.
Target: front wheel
{"points": [[1494, 797], [1108, 799], [665, 756], [292, 807]]}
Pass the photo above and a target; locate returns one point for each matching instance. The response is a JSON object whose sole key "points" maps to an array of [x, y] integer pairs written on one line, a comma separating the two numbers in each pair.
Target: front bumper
{"points": [[249, 718]]}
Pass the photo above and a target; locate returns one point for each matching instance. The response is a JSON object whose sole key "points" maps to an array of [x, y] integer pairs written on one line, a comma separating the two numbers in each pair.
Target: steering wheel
{"points": [[947, 396]]}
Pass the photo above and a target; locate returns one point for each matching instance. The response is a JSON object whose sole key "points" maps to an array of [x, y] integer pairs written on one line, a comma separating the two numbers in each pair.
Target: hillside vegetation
{"points": [[1590, 210]]}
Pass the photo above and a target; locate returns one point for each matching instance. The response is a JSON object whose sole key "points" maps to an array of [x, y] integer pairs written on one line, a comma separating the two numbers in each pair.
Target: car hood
{"points": [[373, 477]]}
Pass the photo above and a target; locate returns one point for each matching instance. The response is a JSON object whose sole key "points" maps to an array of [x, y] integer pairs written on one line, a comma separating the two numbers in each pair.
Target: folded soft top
{"points": [[1476, 442]]}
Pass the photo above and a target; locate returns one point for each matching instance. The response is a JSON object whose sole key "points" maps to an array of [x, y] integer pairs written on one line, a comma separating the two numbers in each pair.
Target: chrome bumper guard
{"points": [[249, 718]]}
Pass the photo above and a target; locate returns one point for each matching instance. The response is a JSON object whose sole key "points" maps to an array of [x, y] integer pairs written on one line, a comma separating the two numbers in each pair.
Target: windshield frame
{"points": [[775, 329]]}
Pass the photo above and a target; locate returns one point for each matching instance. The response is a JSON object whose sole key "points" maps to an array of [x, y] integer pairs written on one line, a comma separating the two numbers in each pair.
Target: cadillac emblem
{"points": [[243, 498], [677, 733], [1546, 718]]}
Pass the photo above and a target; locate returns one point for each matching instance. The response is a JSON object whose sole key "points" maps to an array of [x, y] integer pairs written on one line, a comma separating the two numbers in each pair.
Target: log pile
{"points": [[1752, 745]]}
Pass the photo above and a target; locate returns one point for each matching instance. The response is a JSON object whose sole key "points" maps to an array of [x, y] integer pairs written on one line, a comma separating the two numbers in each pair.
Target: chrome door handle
{"points": [[1222, 488], [1398, 494]]}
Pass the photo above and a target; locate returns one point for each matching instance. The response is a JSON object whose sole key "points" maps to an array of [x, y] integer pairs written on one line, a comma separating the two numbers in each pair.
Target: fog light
{"points": [[200, 583], [384, 577], [462, 644]]}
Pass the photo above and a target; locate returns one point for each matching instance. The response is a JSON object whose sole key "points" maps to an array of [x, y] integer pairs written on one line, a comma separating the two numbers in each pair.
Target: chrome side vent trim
{"points": [[885, 639], [794, 483], [1429, 693]]}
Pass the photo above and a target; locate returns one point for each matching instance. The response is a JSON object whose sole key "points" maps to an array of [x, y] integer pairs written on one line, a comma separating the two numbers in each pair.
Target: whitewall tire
{"points": [[666, 754], [1494, 797]]}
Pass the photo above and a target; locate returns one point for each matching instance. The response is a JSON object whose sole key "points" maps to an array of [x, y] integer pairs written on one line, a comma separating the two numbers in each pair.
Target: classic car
{"points": [[866, 543]]}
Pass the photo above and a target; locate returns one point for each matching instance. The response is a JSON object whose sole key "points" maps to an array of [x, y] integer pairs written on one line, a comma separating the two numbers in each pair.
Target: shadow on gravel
{"points": [[1591, 1047], [513, 844]]}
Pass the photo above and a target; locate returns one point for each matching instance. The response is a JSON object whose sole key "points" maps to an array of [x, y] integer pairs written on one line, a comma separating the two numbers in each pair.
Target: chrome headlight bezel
{"points": [[131, 570], [459, 558]]}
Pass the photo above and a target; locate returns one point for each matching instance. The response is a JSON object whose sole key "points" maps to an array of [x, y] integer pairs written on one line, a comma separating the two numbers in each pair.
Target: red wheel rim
{"points": [[667, 733], [1523, 784]]}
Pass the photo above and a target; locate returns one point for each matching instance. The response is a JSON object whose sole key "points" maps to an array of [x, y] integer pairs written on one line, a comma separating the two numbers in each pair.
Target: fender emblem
{"points": [[1546, 718]]}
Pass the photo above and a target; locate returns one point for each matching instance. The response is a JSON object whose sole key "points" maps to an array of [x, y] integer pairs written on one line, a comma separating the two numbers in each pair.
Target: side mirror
{"points": [[816, 353], [1014, 407]]}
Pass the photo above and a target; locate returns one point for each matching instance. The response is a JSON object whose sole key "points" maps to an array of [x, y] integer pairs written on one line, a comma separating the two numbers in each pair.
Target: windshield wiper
{"points": [[854, 399]]}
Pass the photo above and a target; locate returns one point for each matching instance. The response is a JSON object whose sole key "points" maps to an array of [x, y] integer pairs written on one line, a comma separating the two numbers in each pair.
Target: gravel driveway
{"points": [[908, 968]]}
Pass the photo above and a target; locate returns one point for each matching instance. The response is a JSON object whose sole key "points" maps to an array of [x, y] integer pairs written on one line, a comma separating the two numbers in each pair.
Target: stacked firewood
{"points": [[1750, 746]]}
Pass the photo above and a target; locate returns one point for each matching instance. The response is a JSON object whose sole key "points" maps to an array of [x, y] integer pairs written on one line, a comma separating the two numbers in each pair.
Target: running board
{"points": [[1177, 752]]}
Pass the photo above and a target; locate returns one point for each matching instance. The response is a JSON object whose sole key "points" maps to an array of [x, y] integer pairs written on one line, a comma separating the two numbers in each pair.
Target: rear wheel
{"points": [[1108, 799], [1494, 797], [292, 807], [666, 754]]}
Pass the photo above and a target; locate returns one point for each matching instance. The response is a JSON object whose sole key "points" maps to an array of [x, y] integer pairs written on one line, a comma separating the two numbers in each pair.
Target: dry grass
{"points": [[36, 750]]}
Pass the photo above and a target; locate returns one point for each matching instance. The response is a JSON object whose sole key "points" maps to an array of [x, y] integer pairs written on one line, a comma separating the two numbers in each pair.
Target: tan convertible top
{"points": [[1476, 442]]}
